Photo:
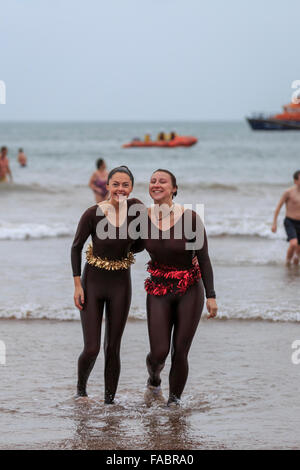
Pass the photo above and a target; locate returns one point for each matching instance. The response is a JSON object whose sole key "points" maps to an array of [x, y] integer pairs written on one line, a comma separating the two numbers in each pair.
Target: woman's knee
{"points": [[112, 349], [158, 356], [91, 351], [180, 353]]}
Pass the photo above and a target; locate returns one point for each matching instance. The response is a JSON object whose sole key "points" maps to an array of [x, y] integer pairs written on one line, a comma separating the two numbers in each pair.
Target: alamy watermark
{"points": [[295, 358], [296, 94], [2, 353], [187, 225], [2, 92]]}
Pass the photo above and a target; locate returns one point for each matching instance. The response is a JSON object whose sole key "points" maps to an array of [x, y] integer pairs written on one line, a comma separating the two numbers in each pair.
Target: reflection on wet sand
{"points": [[168, 431], [116, 427], [292, 273]]}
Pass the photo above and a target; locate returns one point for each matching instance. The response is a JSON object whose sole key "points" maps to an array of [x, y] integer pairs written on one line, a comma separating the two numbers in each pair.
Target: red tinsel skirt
{"points": [[167, 279]]}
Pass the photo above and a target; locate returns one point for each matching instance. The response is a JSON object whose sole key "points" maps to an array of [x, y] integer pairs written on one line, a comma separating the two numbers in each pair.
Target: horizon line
{"points": [[125, 121]]}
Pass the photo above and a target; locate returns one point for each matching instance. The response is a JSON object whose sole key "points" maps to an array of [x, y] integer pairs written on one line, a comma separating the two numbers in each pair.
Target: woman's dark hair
{"points": [[99, 163], [173, 179], [20, 150], [296, 174], [121, 169]]}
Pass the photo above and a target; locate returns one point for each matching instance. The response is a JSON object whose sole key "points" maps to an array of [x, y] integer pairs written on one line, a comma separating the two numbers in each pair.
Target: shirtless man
{"points": [[22, 159], [291, 199], [4, 166]]}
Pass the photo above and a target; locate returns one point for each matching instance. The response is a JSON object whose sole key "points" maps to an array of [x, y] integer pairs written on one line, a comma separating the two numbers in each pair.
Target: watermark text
{"points": [[296, 354], [2, 92], [2, 353]]}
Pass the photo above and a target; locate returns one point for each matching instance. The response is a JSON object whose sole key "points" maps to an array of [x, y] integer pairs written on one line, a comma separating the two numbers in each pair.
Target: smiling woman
{"points": [[105, 281], [175, 294]]}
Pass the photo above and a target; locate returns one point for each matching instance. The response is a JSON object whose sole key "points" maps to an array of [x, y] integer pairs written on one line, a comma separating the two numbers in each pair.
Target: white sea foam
{"points": [[33, 311], [225, 227], [243, 227], [24, 231], [279, 314]]}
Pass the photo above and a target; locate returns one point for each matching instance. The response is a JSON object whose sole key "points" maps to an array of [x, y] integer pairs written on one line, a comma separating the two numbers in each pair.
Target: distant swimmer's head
{"points": [[100, 164], [297, 177], [163, 186], [120, 183], [3, 151]]}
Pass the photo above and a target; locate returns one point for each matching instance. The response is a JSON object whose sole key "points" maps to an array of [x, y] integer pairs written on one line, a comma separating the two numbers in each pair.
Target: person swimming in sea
{"points": [[291, 199], [98, 181], [4, 166], [22, 159]]}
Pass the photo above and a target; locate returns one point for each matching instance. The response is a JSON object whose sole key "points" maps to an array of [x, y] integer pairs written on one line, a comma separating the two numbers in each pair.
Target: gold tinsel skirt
{"points": [[109, 264]]}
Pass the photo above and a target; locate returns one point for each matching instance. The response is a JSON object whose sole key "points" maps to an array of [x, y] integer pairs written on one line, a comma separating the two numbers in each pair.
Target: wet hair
{"points": [[296, 174], [173, 179], [121, 169], [99, 163], [20, 150], [3, 148]]}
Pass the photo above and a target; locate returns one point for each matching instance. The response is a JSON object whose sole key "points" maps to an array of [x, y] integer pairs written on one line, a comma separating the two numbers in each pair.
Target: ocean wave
{"points": [[192, 186], [225, 228], [142, 186], [69, 313], [26, 231], [39, 312], [280, 314], [253, 187], [30, 188], [243, 228]]}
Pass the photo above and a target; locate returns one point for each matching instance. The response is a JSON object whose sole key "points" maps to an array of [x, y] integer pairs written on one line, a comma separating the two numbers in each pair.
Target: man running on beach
{"points": [[291, 199], [4, 166]]}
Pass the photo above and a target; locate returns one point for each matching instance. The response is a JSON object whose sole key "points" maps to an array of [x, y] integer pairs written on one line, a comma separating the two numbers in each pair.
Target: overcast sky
{"points": [[147, 59]]}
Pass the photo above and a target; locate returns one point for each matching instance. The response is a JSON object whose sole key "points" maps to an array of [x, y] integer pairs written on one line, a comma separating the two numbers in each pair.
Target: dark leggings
{"points": [[180, 315], [112, 289]]}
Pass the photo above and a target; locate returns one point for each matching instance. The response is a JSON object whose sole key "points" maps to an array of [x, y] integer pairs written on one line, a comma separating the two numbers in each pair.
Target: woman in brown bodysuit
{"points": [[106, 279], [175, 294]]}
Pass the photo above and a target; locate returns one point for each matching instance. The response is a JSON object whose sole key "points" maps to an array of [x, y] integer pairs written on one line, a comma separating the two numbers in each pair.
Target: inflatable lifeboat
{"points": [[178, 141]]}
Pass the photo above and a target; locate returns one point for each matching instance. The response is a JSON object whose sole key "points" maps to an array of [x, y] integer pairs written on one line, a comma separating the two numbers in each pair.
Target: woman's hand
{"points": [[212, 307], [79, 296]]}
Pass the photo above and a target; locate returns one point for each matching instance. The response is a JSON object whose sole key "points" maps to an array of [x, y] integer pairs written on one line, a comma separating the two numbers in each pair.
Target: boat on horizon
{"points": [[163, 141], [289, 119]]}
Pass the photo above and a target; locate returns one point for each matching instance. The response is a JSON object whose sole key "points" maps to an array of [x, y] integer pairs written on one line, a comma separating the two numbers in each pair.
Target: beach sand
{"points": [[242, 390]]}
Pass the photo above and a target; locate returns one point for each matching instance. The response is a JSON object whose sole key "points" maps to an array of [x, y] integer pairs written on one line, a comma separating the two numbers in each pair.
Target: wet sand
{"points": [[242, 390]]}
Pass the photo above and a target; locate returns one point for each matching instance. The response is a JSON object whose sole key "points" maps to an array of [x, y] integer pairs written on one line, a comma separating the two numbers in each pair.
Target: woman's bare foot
{"points": [[81, 393], [153, 395], [174, 402]]}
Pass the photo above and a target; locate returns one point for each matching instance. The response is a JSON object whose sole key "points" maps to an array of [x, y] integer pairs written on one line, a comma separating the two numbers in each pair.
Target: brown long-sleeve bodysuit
{"points": [[112, 288], [174, 312]]}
